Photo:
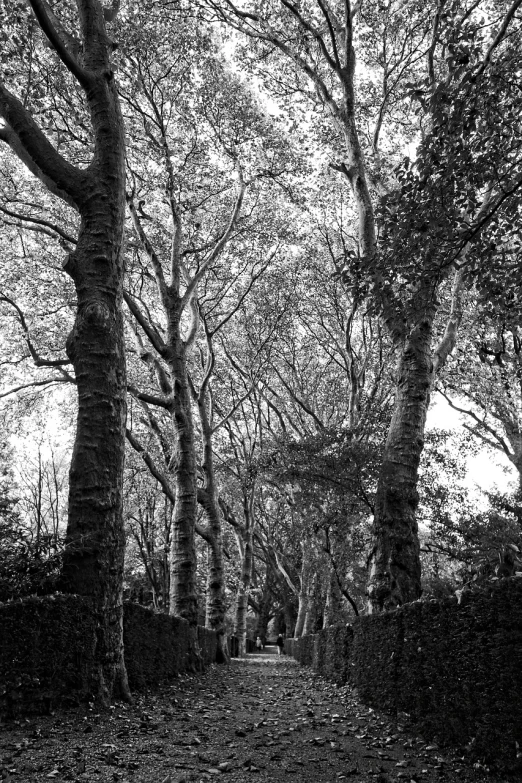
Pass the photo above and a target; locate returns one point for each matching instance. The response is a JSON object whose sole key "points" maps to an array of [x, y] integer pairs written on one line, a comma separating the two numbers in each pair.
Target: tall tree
{"points": [[430, 218], [93, 562]]}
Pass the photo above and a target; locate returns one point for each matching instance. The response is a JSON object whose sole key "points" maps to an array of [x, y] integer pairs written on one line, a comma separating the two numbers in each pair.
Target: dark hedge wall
{"points": [[47, 651], [156, 646], [456, 669], [333, 653]]}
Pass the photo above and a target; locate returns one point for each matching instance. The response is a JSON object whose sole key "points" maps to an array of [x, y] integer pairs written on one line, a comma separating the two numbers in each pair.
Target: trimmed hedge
{"points": [[47, 651], [156, 646], [456, 669]]}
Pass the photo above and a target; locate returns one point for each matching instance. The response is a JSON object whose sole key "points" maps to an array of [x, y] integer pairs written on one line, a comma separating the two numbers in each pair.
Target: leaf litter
{"points": [[260, 719]]}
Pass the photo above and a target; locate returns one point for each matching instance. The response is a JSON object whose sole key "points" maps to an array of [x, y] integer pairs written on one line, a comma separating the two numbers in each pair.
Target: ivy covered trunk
{"points": [[394, 576]]}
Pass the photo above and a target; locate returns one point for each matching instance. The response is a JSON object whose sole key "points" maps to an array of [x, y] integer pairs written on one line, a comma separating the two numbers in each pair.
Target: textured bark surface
{"points": [[305, 576], [183, 599], [394, 562], [208, 497], [311, 615], [93, 560], [333, 607], [240, 626]]}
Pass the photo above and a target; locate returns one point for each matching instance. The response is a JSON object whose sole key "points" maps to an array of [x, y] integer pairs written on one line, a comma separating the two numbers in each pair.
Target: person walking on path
{"points": [[259, 644], [280, 643]]}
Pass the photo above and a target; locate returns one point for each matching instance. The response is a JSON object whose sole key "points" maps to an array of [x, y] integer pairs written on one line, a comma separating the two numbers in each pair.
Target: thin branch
{"points": [[32, 384], [219, 245], [37, 359], [155, 339], [153, 468], [150, 399], [498, 38], [149, 250], [499, 443], [326, 14], [315, 33], [40, 222]]}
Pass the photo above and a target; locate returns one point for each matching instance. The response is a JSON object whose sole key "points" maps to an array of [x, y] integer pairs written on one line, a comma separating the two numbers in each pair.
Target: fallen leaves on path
{"points": [[262, 719]]}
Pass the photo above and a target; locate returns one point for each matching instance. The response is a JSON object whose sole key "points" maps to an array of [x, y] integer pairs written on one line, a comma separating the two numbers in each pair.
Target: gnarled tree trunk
{"points": [[93, 559], [394, 563]]}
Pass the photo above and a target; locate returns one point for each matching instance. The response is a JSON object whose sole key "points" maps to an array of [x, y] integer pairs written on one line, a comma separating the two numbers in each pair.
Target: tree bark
{"points": [[394, 562], [93, 558], [310, 620], [208, 498], [183, 599], [305, 576], [240, 627], [333, 608]]}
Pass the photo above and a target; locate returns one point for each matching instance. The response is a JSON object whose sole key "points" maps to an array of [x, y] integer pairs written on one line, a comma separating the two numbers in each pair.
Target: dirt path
{"points": [[261, 719]]}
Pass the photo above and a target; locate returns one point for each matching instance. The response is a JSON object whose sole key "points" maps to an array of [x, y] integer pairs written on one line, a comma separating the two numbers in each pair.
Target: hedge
{"points": [[455, 668], [47, 651]]}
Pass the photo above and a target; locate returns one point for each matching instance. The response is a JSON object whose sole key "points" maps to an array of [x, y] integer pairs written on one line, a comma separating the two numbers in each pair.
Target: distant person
{"points": [[280, 643], [259, 643]]}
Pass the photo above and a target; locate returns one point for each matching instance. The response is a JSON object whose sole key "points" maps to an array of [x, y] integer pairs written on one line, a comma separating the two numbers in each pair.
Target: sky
{"points": [[487, 469]]}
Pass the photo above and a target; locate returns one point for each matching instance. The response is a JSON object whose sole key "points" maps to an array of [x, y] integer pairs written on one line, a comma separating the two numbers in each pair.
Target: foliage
{"points": [[27, 567]]}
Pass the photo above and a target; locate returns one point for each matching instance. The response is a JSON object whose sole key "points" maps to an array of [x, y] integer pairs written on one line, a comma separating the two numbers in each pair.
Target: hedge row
{"points": [[456, 669], [47, 648]]}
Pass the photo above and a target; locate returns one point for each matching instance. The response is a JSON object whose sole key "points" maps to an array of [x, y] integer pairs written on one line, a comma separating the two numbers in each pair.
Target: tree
{"points": [[93, 561], [200, 151], [420, 226]]}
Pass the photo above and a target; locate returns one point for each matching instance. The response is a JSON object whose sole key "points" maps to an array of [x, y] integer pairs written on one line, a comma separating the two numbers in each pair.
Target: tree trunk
{"points": [[290, 617], [265, 606], [183, 598], [216, 607], [208, 496], [333, 609], [95, 541], [394, 562], [302, 608], [93, 559], [243, 592], [310, 620]]}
